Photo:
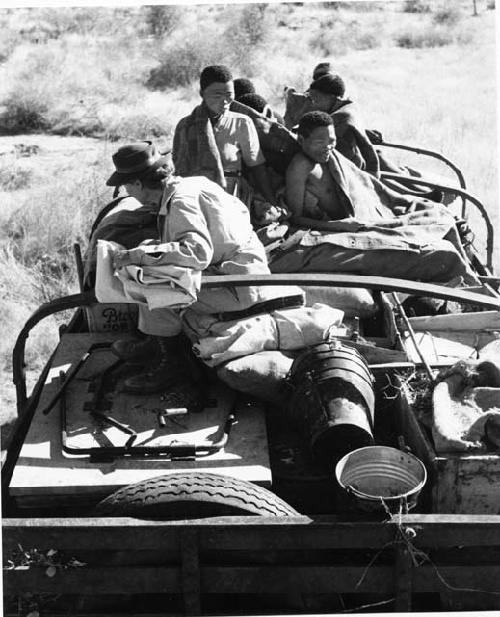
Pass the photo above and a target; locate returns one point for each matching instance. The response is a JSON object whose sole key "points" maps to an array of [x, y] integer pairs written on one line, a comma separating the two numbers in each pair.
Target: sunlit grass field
{"points": [[441, 97]]}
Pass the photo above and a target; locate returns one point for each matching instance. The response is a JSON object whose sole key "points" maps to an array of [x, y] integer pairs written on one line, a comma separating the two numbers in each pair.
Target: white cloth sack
{"points": [[165, 286], [285, 329]]}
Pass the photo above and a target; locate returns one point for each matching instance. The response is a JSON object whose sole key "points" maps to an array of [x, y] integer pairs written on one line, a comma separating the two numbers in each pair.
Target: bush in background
{"points": [[416, 6], [161, 20], [447, 15], [13, 177], [337, 36]]}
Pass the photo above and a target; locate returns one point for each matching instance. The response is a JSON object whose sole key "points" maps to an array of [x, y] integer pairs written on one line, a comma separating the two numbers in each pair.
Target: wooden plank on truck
{"points": [[45, 474]]}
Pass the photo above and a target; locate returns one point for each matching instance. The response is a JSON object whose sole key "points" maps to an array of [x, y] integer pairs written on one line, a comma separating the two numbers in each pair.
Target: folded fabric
{"points": [[466, 407], [165, 286], [286, 329]]}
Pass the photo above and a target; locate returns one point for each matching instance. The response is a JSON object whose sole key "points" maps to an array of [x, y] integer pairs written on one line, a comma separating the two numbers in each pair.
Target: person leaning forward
{"points": [[202, 228]]}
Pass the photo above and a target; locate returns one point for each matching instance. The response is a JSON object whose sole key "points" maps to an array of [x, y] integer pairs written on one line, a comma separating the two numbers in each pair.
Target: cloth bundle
{"points": [[286, 329], [466, 404], [165, 286]]}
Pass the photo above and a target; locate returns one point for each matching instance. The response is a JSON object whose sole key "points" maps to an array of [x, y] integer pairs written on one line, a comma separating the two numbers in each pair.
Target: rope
{"points": [[406, 535]]}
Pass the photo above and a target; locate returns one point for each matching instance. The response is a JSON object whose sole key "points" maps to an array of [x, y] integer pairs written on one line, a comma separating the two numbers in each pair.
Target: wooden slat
{"points": [[259, 579], [94, 580], [253, 533], [191, 584], [403, 575]]}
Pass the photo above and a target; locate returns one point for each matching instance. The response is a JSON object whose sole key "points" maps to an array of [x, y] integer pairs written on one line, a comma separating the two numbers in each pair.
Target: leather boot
{"points": [[168, 371], [137, 351]]}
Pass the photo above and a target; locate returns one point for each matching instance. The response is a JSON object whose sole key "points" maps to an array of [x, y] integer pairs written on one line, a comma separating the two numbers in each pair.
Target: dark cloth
{"points": [[367, 199], [438, 262], [194, 150], [352, 140], [126, 222], [278, 144]]}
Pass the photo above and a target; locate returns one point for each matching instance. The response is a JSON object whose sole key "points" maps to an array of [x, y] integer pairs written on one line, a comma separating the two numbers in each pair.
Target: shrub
{"points": [[253, 26], [447, 16], [161, 20], [416, 6], [424, 37], [181, 61], [336, 37], [13, 177]]}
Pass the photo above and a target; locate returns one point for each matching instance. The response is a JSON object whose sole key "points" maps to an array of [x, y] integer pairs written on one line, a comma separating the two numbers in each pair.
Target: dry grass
{"points": [[437, 97]]}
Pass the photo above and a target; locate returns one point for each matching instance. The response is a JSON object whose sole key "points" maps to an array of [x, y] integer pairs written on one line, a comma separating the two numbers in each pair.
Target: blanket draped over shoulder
{"points": [[370, 201], [278, 144], [195, 151]]}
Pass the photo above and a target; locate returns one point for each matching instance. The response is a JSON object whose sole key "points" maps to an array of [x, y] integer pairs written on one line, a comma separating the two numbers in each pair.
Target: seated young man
{"points": [[215, 142], [299, 103], [348, 221], [259, 103], [327, 94]]}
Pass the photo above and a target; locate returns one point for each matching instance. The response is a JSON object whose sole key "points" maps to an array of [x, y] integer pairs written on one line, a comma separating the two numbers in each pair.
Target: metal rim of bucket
{"points": [[368, 497]]}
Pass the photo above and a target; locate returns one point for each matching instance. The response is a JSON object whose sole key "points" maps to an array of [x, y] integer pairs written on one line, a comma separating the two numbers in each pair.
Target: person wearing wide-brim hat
{"points": [[124, 220], [200, 226]]}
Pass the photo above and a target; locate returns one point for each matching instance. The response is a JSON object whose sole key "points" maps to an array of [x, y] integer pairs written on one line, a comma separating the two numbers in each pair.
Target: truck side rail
{"points": [[457, 191], [425, 152], [449, 555], [306, 279]]}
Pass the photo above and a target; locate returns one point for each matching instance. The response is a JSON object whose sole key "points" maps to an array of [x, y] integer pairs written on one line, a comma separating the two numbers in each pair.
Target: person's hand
{"points": [[271, 233], [265, 212], [121, 259]]}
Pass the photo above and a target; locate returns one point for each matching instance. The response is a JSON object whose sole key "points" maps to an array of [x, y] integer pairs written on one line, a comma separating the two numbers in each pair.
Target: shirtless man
{"points": [[351, 222]]}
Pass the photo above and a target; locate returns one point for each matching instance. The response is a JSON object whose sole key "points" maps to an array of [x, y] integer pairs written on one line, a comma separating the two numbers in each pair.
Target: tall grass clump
{"points": [[421, 37], [60, 86], [161, 20], [448, 15], [338, 35], [416, 6], [13, 176]]}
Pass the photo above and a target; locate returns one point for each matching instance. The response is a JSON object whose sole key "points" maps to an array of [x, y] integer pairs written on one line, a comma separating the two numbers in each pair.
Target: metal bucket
{"points": [[379, 476], [332, 399]]}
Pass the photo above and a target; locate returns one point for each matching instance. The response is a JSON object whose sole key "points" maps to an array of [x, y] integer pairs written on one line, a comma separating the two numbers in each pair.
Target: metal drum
{"points": [[332, 399]]}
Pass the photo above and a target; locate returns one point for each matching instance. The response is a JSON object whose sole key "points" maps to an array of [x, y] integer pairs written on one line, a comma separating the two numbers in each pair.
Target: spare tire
{"points": [[193, 495]]}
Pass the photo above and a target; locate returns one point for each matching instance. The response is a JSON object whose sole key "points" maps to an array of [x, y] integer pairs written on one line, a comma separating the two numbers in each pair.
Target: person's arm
{"points": [[367, 151], [295, 185], [260, 180], [179, 147], [252, 156], [190, 244]]}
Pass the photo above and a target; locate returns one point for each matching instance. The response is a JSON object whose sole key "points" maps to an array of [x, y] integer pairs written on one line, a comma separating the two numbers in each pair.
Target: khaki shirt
{"points": [[237, 139], [204, 228]]}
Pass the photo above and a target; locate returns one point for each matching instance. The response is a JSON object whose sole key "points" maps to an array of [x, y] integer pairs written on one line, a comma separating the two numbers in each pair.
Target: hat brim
{"points": [[118, 179]]}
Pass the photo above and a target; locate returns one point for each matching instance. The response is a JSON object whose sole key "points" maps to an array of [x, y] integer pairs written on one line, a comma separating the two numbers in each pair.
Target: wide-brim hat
{"points": [[134, 159]]}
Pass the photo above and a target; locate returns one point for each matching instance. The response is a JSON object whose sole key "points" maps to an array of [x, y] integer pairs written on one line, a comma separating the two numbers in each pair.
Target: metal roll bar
{"points": [[462, 193]]}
